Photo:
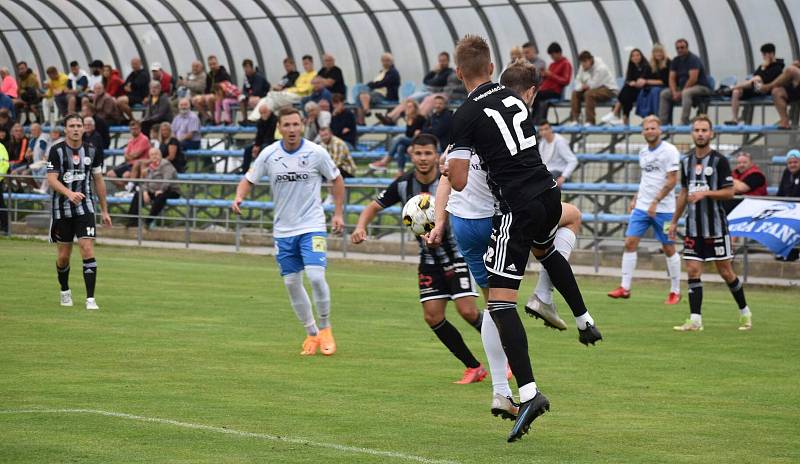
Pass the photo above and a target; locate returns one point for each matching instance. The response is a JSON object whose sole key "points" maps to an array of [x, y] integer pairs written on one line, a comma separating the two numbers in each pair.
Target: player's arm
{"points": [[100, 188], [366, 217], [61, 189], [725, 193], [669, 186], [338, 198], [242, 190], [680, 206], [434, 237], [460, 153]]}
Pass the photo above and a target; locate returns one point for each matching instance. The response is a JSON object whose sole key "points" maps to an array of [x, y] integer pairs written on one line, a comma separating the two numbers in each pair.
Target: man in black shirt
{"points": [[334, 80], [496, 123], [254, 88], [216, 74], [443, 274], [265, 136], [765, 73], [343, 121], [706, 182], [71, 167], [790, 180], [136, 88]]}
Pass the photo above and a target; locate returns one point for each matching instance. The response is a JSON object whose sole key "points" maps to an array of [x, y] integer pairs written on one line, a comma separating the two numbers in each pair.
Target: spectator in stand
{"points": [[785, 89], [8, 85], [766, 72], [748, 179], [95, 76], [557, 76], [343, 121], [593, 84], [515, 54], [170, 147], [531, 53], [227, 94], [435, 83], [254, 88], [158, 74], [155, 193], [205, 102], [36, 156], [55, 97], [106, 106], [8, 104], [440, 121], [186, 126], [635, 80], [338, 150], [314, 119], [112, 82], [135, 151], [157, 108], [325, 105], [657, 78], [286, 82], [687, 81], [318, 92], [101, 126], [77, 85], [17, 146], [90, 135], [383, 88], [136, 88], [265, 136], [195, 82], [29, 96], [790, 180], [398, 149], [332, 75], [5, 125], [4, 214], [556, 153], [286, 96]]}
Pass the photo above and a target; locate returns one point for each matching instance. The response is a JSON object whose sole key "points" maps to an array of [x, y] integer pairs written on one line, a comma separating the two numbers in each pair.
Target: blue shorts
{"points": [[295, 253], [640, 222], [472, 239]]}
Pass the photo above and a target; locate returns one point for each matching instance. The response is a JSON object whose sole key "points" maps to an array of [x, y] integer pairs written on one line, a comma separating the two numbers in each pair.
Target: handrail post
{"points": [[238, 232], [139, 195]]}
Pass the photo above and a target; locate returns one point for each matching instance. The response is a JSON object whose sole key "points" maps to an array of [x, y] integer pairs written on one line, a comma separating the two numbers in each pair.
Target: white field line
{"points": [[238, 433]]}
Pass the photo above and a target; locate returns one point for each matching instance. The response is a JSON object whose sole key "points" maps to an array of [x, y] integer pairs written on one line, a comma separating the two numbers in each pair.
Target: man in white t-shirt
{"points": [[556, 153], [653, 206], [296, 168]]}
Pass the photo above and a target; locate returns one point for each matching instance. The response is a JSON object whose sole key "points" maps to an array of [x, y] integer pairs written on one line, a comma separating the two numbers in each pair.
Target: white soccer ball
{"points": [[419, 214]]}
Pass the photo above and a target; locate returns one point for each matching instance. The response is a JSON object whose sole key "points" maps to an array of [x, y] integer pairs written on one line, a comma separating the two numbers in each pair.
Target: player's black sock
{"points": [[563, 280], [63, 277], [451, 338], [478, 322], [515, 341], [695, 295], [89, 276], [737, 290]]}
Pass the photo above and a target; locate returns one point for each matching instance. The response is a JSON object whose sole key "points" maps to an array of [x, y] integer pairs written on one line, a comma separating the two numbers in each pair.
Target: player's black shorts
{"points": [[66, 229], [448, 281], [707, 249], [515, 233]]}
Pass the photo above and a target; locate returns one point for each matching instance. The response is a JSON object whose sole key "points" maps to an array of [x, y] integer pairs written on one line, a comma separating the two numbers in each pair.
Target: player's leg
{"points": [[637, 226], [314, 248], [62, 268], [85, 231], [290, 262], [694, 255], [662, 221], [725, 269], [433, 310]]}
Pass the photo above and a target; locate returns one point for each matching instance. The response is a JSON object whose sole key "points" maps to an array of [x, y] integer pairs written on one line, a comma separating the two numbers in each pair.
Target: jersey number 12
{"points": [[519, 118]]}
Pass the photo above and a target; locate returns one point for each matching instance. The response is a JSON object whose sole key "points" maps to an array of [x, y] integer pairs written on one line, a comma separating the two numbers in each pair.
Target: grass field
{"points": [[194, 358]]}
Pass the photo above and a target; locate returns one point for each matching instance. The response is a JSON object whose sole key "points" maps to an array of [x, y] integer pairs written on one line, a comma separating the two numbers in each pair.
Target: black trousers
{"points": [[541, 106], [627, 97], [157, 204]]}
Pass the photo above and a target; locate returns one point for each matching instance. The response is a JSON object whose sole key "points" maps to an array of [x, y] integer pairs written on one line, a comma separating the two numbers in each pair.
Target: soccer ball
{"points": [[419, 214]]}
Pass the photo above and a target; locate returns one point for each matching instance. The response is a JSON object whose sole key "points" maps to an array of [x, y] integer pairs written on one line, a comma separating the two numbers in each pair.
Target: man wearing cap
{"points": [[790, 181], [159, 75]]}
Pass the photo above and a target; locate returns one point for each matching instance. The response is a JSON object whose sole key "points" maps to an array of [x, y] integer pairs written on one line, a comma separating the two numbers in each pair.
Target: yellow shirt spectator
{"points": [[57, 85], [302, 86]]}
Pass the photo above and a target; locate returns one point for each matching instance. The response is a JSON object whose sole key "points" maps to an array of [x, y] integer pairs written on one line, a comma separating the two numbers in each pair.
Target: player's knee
{"points": [[540, 254], [316, 275], [432, 319], [631, 244], [293, 279]]}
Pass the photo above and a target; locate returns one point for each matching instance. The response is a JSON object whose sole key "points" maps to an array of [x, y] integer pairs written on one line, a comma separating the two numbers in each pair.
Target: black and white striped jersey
{"points": [[707, 217], [75, 168], [403, 189]]}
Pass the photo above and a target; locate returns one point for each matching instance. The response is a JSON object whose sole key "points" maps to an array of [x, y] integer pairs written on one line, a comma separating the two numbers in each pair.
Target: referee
{"points": [[72, 166], [706, 182]]}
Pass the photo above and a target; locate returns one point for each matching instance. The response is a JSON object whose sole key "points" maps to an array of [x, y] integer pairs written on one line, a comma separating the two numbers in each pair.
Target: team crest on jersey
{"points": [[304, 161], [76, 159], [87, 161], [708, 171], [698, 169]]}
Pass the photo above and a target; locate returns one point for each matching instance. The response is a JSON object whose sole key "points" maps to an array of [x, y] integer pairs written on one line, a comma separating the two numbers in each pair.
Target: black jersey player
{"points": [[73, 166], [496, 123]]}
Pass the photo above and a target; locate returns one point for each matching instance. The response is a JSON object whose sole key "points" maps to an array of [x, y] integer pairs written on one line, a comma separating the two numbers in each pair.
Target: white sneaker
{"points": [[504, 407], [41, 190], [614, 121], [535, 307], [91, 304], [66, 298], [570, 123], [608, 118]]}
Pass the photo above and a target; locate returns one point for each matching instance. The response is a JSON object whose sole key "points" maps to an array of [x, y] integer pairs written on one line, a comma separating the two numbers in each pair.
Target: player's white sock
{"points": [[321, 294], [583, 319], [745, 311], [628, 266], [696, 318], [674, 272], [300, 302], [564, 243], [527, 392], [495, 356]]}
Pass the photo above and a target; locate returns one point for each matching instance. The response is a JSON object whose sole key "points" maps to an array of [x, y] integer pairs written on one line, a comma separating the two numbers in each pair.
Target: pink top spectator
{"points": [[140, 144], [9, 86]]}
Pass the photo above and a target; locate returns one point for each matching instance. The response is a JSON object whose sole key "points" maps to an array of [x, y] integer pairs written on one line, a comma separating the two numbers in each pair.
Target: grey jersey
{"points": [[296, 178], [75, 168]]}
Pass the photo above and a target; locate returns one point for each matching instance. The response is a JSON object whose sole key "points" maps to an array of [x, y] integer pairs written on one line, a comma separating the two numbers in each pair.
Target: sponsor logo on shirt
{"points": [[292, 177], [651, 167], [74, 176]]}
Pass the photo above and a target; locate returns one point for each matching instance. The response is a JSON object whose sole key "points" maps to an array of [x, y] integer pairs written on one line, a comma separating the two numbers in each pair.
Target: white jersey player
{"points": [[296, 168]]}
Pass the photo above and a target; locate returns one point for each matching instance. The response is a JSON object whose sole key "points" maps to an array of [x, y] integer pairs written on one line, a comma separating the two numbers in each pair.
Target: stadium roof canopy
{"points": [[727, 34]]}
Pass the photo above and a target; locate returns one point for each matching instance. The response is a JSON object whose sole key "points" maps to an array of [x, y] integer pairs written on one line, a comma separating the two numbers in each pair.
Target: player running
{"points": [[72, 167], [653, 206], [296, 168], [495, 123], [443, 275], [706, 182]]}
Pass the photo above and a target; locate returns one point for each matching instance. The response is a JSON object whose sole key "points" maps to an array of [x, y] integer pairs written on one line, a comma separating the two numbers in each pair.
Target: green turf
{"points": [[210, 339]]}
